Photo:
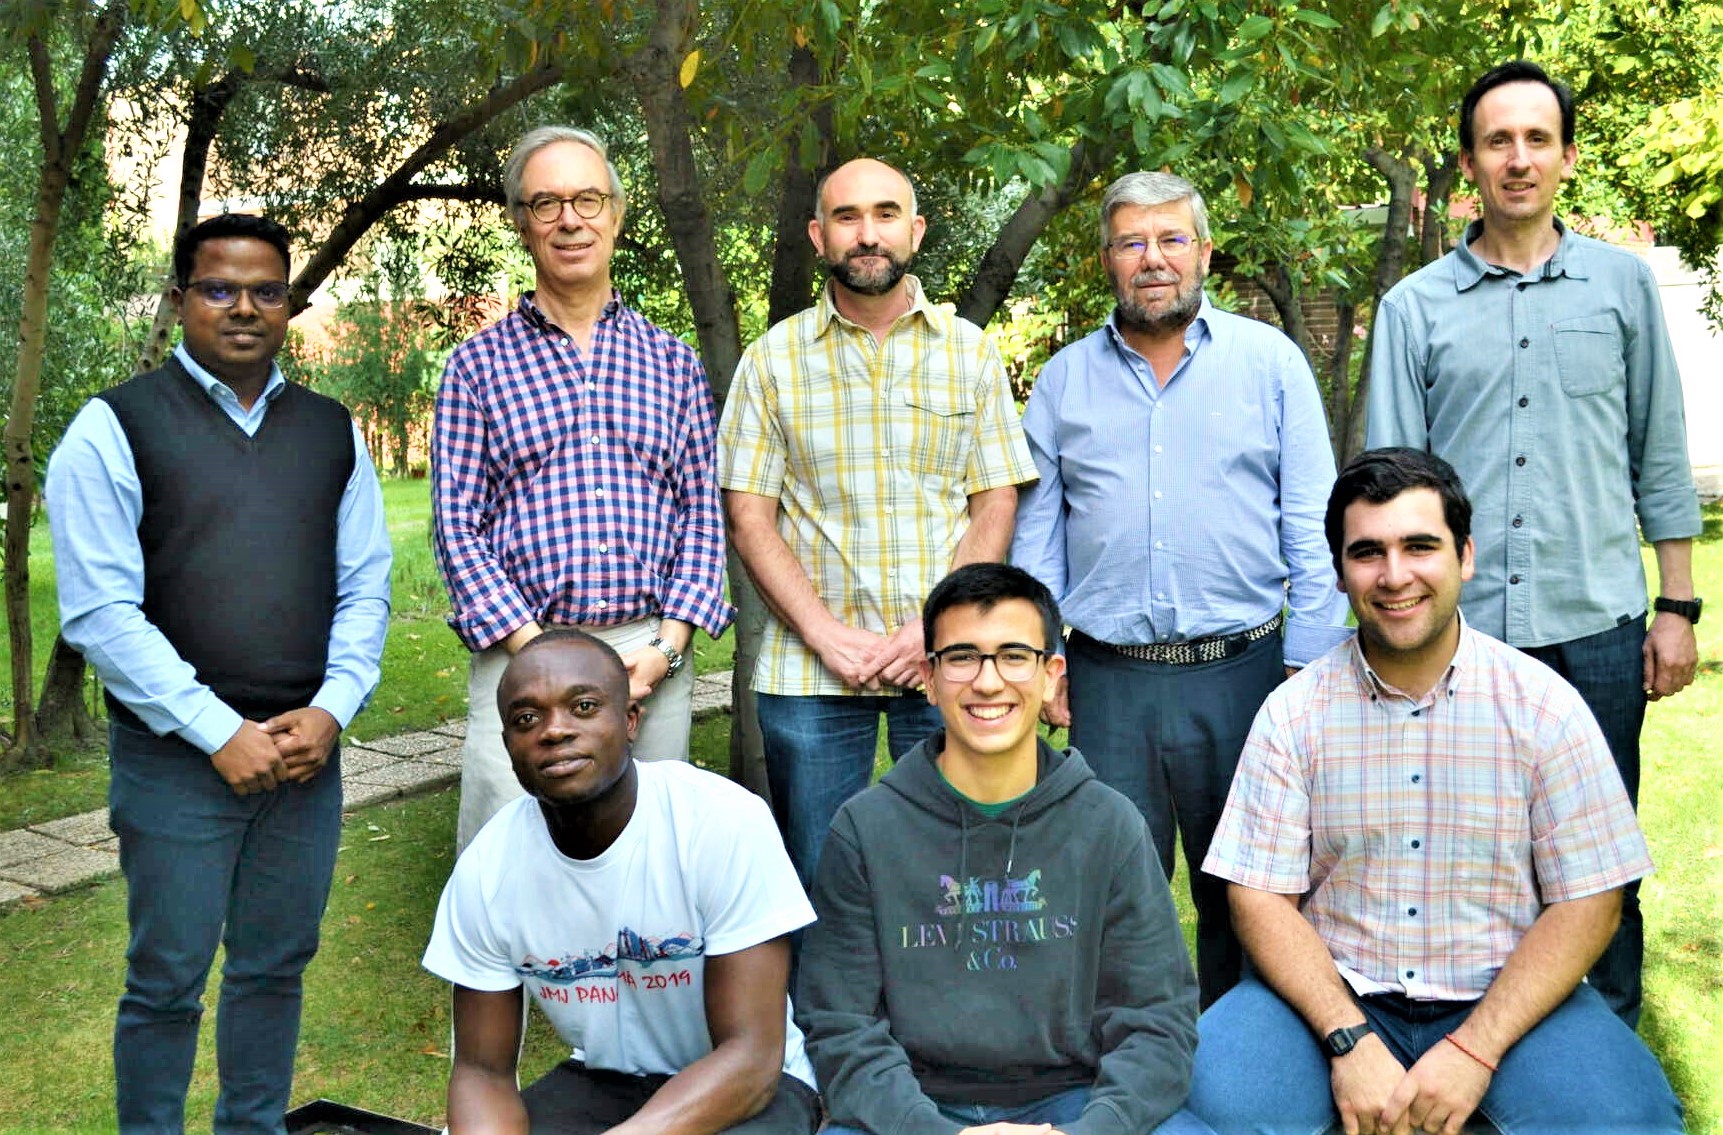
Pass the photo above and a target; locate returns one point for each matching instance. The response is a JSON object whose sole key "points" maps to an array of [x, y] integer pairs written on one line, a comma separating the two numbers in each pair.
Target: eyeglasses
{"points": [[1132, 247], [586, 205], [1014, 661], [268, 295]]}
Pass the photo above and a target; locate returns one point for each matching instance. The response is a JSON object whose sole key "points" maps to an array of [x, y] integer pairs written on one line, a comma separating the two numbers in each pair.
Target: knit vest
{"points": [[238, 533]]}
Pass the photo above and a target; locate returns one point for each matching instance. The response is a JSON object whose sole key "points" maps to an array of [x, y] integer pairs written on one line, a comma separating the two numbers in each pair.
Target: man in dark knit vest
{"points": [[223, 563]]}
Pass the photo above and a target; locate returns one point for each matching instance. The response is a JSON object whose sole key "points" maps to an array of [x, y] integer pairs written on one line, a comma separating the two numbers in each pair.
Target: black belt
{"points": [[1215, 648]]}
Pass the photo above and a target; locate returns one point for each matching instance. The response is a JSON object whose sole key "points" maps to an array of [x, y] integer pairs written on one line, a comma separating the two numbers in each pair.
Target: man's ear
{"points": [[924, 667]]}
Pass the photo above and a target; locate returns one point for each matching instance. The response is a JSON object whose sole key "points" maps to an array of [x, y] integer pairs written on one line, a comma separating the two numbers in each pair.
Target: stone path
{"points": [[49, 858]]}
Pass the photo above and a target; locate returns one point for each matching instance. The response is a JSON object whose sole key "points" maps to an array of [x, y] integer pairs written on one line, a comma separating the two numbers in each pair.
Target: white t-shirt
{"points": [[613, 949]]}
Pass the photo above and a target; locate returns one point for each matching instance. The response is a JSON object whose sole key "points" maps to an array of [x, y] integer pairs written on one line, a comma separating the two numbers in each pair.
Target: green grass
{"points": [[424, 679]]}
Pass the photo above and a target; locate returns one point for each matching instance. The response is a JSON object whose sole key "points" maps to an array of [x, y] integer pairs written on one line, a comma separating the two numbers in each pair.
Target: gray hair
{"points": [[820, 190], [537, 139], [1152, 188]]}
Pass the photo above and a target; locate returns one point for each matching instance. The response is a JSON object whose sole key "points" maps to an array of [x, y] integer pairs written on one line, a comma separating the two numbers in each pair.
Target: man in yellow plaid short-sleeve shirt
{"points": [[868, 446]]}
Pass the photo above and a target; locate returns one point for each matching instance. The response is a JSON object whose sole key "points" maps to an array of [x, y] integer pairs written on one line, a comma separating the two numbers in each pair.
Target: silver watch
{"points": [[672, 654]]}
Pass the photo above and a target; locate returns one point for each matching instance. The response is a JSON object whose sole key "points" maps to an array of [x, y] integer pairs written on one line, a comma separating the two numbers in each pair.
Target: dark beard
{"points": [[868, 283], [1176, 317]]}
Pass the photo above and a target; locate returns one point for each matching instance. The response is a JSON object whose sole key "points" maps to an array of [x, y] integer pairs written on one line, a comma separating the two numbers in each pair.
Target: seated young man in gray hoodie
{"points": [[996, 946]]}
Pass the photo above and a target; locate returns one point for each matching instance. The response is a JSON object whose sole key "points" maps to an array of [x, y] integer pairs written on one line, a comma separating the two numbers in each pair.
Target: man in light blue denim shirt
{"points": [[1184, 466], [1536, 361]]}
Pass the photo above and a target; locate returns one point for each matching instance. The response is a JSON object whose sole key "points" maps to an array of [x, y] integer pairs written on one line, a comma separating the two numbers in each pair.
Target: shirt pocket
{"points": [[1588, 355], [942, 434]]}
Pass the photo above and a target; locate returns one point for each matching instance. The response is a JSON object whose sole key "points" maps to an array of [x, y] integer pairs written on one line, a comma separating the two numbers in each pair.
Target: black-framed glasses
{"points": [[1171, 247], [268, 295], [1015, 661], [586, 204]]}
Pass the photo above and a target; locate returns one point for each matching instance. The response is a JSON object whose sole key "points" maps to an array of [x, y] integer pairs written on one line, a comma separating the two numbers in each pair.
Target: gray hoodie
{"points": [[995, 961]]}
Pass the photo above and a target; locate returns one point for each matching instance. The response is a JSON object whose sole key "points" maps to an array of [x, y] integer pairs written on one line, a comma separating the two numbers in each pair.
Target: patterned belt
{"points": [[1217, 648]]}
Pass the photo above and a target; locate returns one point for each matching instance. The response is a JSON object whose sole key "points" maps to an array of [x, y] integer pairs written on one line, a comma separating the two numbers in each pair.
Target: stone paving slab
{"points": [[67, 868], [406, 774], [85, 830], [22, 846], [357, 760], [452, 728], [450, 757], [409, 744], [711, 694], [356, 795], [12, 892]]}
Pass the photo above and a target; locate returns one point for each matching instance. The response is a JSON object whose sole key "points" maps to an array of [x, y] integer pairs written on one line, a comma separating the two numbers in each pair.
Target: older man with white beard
{"points": [[1184, 465]]}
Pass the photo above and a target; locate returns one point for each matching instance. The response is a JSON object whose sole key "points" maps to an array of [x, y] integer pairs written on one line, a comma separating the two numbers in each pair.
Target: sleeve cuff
{"points": [[213, 727], [1672, 514], [481, 628], [695, 605], [1099, 1118], [1305, 643], [339, 702]]}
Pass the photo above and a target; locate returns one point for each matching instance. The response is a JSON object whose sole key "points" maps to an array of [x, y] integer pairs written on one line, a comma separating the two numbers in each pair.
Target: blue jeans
{"points": [[1168, 738], [1608, 671], [1058, 1110], [819, 753], [204, 866], [1260, 1069]]}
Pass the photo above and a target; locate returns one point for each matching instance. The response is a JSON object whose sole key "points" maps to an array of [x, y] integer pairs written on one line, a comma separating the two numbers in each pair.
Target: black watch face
{"points": [[1342, 1041]]}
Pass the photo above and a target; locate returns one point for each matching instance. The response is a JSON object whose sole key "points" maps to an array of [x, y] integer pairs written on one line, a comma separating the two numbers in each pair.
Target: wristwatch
{"points": [[1341, 1041], [1687, 608], [670, 652]]}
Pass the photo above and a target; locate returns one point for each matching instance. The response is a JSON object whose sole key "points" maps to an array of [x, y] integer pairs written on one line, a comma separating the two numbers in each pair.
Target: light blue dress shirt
{"points": [[95, 504], [1165, 514], [1556, 397]]}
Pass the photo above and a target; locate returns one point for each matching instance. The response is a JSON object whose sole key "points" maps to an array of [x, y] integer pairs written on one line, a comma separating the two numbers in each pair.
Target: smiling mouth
{"points": [[564, 766], [1400, 604], [989, 712]]}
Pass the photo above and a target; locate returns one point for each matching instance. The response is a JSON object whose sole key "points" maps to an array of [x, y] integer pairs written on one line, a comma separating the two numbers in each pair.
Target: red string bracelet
{"points": [[1453, 1041]]}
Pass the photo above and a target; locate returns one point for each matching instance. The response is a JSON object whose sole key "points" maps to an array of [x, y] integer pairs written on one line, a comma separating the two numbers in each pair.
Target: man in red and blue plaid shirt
{"points": [[573, 467]]}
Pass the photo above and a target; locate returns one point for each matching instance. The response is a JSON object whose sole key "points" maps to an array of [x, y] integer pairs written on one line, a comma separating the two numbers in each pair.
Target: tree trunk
{"points": [[1339, 367], [999, 266], [208, 104], [63, 721], [1439, 177], [655, 72], [60, 148], [1390, 266]]}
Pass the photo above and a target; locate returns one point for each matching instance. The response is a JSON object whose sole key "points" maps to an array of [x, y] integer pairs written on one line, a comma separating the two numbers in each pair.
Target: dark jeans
{"points": [[205, 867], [1579, 1070], [1608, 671], [1168, 737], [572, 1099], [1058, 1110], [819, 753]]}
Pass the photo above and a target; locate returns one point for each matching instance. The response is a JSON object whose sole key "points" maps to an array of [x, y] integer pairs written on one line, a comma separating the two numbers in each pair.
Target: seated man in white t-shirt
{"points": [[645, 907]]}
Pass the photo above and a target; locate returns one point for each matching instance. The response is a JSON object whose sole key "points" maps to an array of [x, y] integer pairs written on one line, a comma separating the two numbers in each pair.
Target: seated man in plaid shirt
{"points": [[1426, 844], [573, 471]]}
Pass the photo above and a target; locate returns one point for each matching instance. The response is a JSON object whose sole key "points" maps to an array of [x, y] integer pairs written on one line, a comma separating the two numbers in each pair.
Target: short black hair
{"points": [[228, 225], [571, 636], [1514, 71], [986, 586], [1380, 475]]}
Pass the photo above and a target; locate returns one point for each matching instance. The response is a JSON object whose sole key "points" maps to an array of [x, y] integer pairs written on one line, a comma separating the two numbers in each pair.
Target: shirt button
{"points": [[598, 492], [565, 342], [1416, 712], [1416, 844], [1525, 343], [1412, 912], [1520, 460], [603, 548], [1513, 579], [1157, 449], [1160, 545], [1518, 521], [1524, 401], [1157, 494], [1416, 777], [594, 439], [1411, 973], [601, 604]]}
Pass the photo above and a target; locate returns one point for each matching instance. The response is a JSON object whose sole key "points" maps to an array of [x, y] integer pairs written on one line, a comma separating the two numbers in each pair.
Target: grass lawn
{"points": [[376, 1026]]}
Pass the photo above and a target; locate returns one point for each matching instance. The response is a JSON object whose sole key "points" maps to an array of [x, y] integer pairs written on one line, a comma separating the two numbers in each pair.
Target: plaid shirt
{"points": [[872, 450], [1427, 836], [571, 488]]}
